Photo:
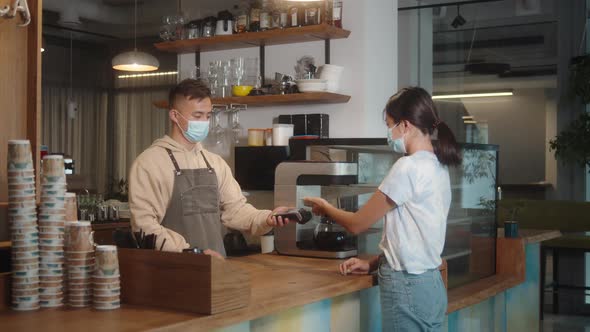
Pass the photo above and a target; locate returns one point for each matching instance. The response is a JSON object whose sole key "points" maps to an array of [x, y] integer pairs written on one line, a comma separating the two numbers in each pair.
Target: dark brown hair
{"points": [[189, 88], [415, 105]]}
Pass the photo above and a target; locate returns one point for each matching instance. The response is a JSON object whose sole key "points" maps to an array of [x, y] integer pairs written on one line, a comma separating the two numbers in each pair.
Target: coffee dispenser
{"points": [[319, 237]]}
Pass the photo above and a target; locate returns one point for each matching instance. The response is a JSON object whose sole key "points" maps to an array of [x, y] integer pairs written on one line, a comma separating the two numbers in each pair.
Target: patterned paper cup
{"points": [[53, 278], [24, 230], [21, 186], [21, 192], [15, 225], [81, 292], [106, 286], [79, 284], [46, 291], [52, 254], [22, 211], [106, 280], [74, 255], [51, 284], [79, 275], [25, 292], [51, 248], [28, 204], [51, 273], [21, 198], [107, 292], [81, 262], [106, 305], [53, 199], [79, 236], [52, 217], [29, 249], [53, 205], [52, 242], [51, 303], [52, 260], [51, 266], [25, 243], [25, 260], [52, 227], [21, 180], [107, 262], [56, 235], [22, 217], [25, 254], [25, 306], [19, 155], [53, 166]]}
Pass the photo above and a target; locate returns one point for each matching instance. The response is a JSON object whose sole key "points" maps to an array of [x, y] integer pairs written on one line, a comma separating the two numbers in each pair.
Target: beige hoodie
{"points": [[151, 181]]}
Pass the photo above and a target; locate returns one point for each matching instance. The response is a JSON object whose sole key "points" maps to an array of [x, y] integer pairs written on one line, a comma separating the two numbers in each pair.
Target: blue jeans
{"points": [[411, 302]]}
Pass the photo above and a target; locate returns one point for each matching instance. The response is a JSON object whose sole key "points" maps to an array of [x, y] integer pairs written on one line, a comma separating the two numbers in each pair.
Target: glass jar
{"points": [[330, 236]]}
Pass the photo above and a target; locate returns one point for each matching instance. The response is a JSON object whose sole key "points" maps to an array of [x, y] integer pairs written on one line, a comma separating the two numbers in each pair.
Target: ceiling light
{"points": [[165, 73], [135, 60], [474, 95], [459, 20], [470, 122]]}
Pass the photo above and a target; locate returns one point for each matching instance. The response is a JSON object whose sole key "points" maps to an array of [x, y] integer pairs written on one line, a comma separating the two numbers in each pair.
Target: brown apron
{"points": [[193, 211]]}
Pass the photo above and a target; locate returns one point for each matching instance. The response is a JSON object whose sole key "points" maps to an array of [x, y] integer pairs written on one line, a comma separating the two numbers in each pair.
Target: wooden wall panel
{"points": [[20, 86]]}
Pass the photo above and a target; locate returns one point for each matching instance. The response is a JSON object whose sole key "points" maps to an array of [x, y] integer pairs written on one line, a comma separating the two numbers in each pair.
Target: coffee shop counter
{"points": [[293, 293], [307, 294]]}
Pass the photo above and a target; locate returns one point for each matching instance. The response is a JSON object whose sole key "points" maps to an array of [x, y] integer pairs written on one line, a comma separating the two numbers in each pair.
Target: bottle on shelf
{"points": [[337, 14], [295, 15], [255, 10], [275, 15], [265, 15], [242, 18], [284, 12], [313, 13]]}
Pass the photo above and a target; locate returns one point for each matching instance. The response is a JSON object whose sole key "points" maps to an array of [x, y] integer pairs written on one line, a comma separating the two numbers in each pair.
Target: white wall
{"points": [[369, 56]]}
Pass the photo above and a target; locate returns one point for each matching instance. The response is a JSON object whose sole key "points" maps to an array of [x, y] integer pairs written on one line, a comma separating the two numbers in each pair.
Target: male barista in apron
{"points": [[181, 192]]}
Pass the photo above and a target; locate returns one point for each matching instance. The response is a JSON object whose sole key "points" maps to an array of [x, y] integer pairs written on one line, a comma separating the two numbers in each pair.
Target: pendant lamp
{"points": [[135, 60]]}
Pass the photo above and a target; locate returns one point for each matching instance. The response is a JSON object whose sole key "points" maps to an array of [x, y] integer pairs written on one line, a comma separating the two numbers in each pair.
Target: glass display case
{"points": [[471, 225]]}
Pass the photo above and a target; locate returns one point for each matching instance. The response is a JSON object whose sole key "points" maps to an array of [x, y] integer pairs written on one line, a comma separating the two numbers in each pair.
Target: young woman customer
{"points": [[414, 199]]}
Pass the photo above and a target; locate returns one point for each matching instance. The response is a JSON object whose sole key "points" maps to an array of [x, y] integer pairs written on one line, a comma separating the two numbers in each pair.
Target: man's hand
{"points": [[274, 221]]}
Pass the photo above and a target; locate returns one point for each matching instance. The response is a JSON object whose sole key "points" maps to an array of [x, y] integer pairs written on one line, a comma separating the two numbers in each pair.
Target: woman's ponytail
{"points": [[446, 148]]}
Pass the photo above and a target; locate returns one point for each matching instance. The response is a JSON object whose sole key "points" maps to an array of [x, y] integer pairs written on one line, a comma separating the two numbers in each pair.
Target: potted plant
{"points": [[573, 143], [511, 225]]}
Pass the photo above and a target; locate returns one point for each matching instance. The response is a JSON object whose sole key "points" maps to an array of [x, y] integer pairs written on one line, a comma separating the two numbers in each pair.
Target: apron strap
{"points": [[177, 169], [206, 162]]}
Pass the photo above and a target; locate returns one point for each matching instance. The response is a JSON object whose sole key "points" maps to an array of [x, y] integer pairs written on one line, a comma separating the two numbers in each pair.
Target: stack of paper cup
{"points": [[79, 253], [22, 217], [106, 280], [52, 218], [332, 74], [71, 207]]}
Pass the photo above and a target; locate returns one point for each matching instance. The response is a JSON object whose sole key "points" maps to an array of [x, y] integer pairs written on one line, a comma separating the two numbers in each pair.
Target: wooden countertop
{"points": [[278, 283], [534, 235]]}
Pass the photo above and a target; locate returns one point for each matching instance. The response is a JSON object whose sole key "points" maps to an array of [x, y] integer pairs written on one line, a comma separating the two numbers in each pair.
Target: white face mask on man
{"points": [[397, 145], [196, 131]]}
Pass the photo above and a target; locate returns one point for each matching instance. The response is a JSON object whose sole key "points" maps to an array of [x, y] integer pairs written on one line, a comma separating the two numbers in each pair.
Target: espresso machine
{"points": [[320, 237]]}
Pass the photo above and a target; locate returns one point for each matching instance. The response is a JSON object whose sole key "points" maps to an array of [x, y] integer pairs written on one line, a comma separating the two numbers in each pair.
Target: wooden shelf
{"points": [[276, 100], [253, 39]]}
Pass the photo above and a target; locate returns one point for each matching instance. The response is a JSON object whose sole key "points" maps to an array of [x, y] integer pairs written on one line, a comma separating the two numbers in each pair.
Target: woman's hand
{"points": [[213, 253], [319, 206], [355, 266]]}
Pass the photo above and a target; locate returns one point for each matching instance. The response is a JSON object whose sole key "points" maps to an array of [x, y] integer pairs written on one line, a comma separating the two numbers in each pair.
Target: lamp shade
{"points": [[135, 61]]}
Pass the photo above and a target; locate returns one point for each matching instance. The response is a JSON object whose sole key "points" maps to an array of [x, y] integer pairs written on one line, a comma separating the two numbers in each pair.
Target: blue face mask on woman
{"points": [[397, 145], [196, 131]]}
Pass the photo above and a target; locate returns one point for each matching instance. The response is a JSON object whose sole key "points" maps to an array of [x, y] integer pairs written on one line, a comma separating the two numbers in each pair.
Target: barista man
{"points": [[181, 192]]}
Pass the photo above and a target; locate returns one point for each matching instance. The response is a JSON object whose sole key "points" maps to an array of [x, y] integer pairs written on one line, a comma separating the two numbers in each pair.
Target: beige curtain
{"points": [[137, 124], [83, 138]]}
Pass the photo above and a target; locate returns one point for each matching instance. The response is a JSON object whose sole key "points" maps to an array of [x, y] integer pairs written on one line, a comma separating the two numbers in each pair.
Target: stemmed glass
{"points": [[217, 131], [234, 121]]}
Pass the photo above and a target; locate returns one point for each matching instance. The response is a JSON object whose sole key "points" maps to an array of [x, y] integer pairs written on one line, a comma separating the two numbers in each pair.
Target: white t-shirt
{"points": [[414, 232]]}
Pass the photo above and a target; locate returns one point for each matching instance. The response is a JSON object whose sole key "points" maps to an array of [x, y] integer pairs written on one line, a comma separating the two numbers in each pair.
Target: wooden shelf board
{"points": [[276, 100], [254, 39]]}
